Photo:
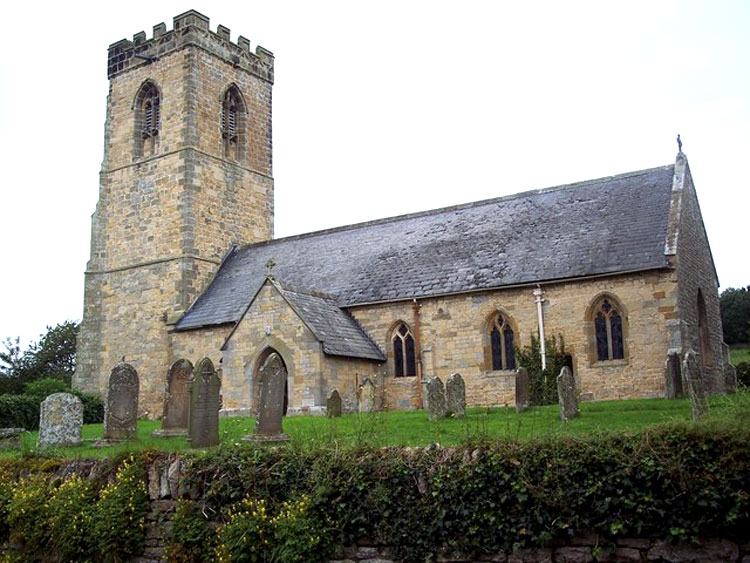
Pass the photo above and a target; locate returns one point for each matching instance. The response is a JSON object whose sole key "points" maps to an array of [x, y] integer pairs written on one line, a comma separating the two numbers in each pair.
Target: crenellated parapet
{"points": [[189, 28]]}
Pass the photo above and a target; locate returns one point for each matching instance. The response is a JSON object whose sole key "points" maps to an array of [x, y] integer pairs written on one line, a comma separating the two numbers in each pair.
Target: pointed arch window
{"points": [[501, 343], [404, 352], [147, 119], [233, 123], [608, 330]]}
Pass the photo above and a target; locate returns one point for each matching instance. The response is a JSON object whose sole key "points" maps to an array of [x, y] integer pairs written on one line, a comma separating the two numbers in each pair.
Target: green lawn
{"points": [[740, 353], [411, 428]]}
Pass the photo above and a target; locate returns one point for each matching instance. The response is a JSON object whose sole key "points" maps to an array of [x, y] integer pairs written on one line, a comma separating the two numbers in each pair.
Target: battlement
{"points": [[189, 28]]}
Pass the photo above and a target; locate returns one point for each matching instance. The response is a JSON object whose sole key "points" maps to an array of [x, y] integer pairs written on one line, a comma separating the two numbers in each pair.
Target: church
{"points": [[184, 265]]}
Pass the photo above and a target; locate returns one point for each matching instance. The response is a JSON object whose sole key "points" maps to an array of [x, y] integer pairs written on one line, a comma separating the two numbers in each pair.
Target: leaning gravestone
{"points": [[60, 421], [566, 393], [455, 395], [696, 388], [203, 417], [366, 396], [177, 402], [522, 389], [333, 404], [271, 410], [121, 409], [673, 376], [435, 399]]}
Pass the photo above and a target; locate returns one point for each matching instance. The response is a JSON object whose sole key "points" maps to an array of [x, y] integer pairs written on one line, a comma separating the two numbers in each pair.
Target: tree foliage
{"points": [[735, 314], [53, 356]]}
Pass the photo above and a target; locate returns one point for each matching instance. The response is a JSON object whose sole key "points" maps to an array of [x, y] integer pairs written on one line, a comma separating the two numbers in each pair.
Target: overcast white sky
{"points": [[383, 108]]}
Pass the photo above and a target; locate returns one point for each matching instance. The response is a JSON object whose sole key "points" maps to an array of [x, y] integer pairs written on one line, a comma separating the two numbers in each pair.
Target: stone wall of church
{"points": [[194, 345], [696, 273], [454, 334], [271, 323]]}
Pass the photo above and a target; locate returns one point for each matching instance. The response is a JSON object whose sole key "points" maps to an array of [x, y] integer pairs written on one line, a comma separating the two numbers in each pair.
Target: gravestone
{"points": [[435, 399], [177, 402], [455, 395], [203, 416], [730, 372], [567, 395], [673, 376], [271, 409], [10, 438], [333, 404], [366, 396], [696, 388], [60, 421], [523, 391], [121, 409]]}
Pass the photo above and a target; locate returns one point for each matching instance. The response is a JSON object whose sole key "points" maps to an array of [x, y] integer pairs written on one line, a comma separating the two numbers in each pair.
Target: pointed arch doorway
{"points": [[256, 386]]}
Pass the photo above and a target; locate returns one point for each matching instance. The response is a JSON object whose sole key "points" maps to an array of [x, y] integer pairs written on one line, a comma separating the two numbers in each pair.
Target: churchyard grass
{"points": [[411, 428], [739, 353]]}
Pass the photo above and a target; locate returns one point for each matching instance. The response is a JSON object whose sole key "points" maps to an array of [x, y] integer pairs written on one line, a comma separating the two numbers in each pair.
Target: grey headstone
{"points": [[121, 409], [177, 402], [366, 396], [523, 391], [567, 394], [60, 421], [203, 418], [696, 388], [673, 376], [10, 438], [435, 398], [455, 395], [273, 376], [730, 372], [333, 404]]}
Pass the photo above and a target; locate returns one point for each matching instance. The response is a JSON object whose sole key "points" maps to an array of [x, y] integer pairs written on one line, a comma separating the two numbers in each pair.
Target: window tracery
{"points": [[608, 329], [501, 344], [404, 354]]}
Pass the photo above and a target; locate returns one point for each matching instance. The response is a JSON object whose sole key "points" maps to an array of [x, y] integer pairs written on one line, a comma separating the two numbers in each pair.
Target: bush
{"points": [[43, 388], [119, 517], [543, 383], [743, 374], [191, 537], [27, 514], [19, 411], [70, 520]]}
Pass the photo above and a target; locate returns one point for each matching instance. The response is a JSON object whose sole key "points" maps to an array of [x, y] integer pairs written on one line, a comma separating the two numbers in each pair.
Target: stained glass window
{"points": [[610, 344], [404, 352], [501, 344]]}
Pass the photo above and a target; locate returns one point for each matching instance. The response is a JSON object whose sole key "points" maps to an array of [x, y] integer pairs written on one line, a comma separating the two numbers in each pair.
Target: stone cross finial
{"points": [[679, 143], [269, 268]]}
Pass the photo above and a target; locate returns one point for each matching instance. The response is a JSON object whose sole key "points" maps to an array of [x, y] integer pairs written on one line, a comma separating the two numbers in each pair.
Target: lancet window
{"points": [[501, 343], [404, 353], [608, 325]]}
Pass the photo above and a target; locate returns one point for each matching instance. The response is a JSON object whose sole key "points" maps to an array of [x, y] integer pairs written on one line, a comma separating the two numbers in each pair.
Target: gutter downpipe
{"points": [[539, 295], [418, 351]]}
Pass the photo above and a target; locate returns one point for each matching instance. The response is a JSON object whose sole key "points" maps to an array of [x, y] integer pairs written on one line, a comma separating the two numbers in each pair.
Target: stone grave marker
{"points": [[268, 426], [121, 408], [60, 420], [455, 395], [366, 396], [696, 388], [523, 389], [10, 438], [435, 398], [177, 402], [567, 394], [673, 376], [333, 404], [203, 415]]}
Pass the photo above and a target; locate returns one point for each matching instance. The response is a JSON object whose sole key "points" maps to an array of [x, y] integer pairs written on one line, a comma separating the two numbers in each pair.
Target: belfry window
{"points": [[608, 330], [404, 356], [501, 344], [147, 119], [232, 123]]}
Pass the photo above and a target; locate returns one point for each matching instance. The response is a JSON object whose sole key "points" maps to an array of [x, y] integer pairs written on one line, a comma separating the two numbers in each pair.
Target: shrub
{"points": [[119, 517], [42, 388], [27, 514], [70, 520], [192, 539], [543, 383], [19, 411], [244, 537], [93, 407], [300, 535]]}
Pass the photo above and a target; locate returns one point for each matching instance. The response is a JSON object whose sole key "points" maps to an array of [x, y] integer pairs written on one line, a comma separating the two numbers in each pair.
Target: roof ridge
{"points": [[457, 207], [311, 293]]}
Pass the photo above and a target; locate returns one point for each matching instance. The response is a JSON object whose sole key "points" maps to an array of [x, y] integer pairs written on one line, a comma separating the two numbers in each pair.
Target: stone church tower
{"points": [[187, 172]]}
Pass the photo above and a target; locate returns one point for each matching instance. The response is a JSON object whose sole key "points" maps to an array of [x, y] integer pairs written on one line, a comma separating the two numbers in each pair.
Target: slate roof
{"points": [[340, 334], [605, 226]]}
